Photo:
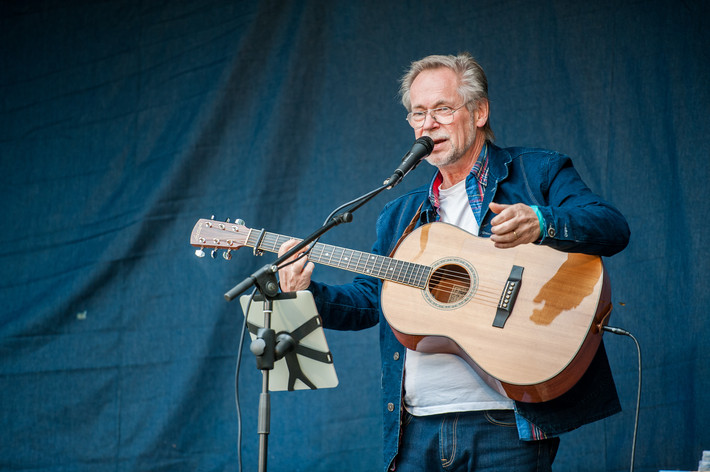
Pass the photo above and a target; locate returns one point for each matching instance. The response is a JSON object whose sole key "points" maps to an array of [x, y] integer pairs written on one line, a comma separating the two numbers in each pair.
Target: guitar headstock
{"points": [[218, 235]]}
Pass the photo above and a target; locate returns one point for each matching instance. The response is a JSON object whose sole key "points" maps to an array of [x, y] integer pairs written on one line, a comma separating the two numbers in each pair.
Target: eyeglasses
{"points": [[443, 116]]}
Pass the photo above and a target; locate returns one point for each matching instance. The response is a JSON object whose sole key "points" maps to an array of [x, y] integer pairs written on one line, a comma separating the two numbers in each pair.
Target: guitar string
{"points": [[321, 252], [452, 279]]}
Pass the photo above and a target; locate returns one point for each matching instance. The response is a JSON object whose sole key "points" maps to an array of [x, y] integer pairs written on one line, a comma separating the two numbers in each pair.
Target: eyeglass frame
{"points": [[429, 111]]}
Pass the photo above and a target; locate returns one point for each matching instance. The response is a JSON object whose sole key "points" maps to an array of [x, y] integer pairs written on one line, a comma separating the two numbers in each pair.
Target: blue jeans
{"points": [[470, 441]]}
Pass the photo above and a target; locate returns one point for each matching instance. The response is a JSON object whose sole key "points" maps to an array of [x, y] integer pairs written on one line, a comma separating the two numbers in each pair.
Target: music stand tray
{"points": [[310, 365]]}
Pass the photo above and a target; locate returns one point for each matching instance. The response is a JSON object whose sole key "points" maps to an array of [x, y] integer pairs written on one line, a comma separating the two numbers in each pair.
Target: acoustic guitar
{"points": [[528, 319]]}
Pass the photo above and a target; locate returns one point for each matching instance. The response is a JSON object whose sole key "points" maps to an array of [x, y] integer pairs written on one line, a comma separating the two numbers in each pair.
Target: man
{"points": [[440, 415]]}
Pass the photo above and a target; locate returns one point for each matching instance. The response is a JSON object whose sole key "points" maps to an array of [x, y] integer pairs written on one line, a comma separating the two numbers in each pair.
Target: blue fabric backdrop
{"points": [[123, 122]]}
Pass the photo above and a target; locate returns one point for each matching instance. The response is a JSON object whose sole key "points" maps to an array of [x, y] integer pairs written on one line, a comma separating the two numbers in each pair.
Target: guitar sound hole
{"points": [[449, 283]]}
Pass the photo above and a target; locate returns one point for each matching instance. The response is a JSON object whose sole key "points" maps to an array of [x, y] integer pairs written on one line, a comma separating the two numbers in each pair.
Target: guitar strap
{"points": [[408, 229]]}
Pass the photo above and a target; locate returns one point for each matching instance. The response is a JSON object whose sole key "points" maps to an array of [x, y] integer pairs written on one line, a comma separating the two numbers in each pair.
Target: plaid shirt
{"points": [[476, 183]]}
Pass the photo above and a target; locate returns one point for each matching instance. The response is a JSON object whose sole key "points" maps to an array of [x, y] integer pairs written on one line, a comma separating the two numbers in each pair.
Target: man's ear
{"points": [[481, 113]]}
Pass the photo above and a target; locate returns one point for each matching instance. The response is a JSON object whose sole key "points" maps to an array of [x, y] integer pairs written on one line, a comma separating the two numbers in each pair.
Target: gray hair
{"points": [[473, 84]]}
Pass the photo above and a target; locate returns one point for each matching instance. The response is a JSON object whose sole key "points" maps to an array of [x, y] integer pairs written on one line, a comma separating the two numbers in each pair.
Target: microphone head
{"points": [[427, 142]]}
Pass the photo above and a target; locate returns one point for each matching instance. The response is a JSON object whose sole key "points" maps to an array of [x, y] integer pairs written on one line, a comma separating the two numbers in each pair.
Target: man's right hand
{"points": [[295, 276]]}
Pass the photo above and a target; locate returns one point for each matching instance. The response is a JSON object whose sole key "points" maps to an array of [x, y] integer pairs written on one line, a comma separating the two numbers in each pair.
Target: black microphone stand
{"points": [[266, 347]]}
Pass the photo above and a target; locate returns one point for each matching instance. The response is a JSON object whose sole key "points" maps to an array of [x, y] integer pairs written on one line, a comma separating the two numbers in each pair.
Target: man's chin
{"points": [[439, 159]]}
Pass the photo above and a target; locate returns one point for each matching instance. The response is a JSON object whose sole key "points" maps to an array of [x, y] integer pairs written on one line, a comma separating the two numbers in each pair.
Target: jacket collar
{"points": [[498, 163], [498, 169]]}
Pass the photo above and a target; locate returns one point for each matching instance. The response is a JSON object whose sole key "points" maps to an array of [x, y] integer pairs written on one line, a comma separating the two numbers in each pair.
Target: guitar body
{"points": [[551, 333]]}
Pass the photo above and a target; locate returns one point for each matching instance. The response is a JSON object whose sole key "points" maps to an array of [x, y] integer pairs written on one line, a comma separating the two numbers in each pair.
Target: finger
{"points": [[519, 217], [308, 270], [509, 239], [285, 247], [505, 223], [497, 207], [500, 211]]}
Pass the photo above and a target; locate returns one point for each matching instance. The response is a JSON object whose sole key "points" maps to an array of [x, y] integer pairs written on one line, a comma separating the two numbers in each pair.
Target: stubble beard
{"points": [[455, 154]]}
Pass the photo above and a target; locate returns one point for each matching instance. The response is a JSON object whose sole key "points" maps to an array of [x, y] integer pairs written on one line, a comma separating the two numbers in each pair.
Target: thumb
{"points": [[497, 207]]}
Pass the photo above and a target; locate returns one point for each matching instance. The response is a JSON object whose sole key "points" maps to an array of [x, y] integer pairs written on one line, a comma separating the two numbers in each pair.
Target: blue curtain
{"points": [[123, 122]]}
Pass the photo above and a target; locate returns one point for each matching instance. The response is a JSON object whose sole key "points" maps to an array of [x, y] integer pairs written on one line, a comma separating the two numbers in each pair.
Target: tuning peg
{"points": [[213, 253], [240, 222], [200, 253], [227, 255], [227, 220]]}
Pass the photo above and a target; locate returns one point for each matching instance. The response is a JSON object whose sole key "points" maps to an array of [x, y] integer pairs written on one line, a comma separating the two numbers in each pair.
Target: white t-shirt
{"points": [[444, 383]]}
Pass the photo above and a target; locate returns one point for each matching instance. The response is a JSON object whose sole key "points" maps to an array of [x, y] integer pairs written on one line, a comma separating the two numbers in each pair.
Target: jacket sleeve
{"points": [[575, 218], [352, 306]]}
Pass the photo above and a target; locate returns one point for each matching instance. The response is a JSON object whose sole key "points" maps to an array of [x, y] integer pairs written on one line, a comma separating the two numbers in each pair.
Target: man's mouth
{"points": [[438, 142]]}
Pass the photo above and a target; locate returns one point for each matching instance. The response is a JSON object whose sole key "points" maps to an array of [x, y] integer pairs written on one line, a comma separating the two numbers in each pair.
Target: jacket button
{"points": [[551, 232], [390, 407], [396, 356]]}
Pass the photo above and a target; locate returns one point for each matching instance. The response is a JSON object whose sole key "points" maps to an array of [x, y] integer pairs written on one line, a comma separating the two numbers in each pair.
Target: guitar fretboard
{"points": [[381, 267]]}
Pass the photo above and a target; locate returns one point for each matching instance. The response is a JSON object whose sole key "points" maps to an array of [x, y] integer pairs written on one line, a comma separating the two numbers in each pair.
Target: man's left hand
{"points": [[514, 225]]}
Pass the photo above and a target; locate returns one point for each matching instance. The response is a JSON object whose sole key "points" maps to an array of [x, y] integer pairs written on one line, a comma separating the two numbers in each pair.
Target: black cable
{"points": [[352, 204], [623, 332]]}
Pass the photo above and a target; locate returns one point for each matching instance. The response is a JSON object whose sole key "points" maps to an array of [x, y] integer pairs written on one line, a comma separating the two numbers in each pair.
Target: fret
{"points": [[408, 270], [275, 247], [322, 254], [394, 270], [370, 260], [400, 272], [355, 261], [385, 272], [313, 254], [404, 270], [347, 258], [316, 254], [264, 243], [248, 238], [359, 259], [328, 252], [374, 265], [338, 255], [423, 276], [380, 269]]}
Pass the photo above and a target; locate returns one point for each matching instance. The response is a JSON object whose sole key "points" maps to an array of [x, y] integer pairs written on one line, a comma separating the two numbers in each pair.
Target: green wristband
{"points": [[540, 220]]}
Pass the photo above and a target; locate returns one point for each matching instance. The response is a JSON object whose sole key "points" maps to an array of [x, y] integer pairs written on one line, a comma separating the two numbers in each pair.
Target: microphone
{"points": [[421, 148]]}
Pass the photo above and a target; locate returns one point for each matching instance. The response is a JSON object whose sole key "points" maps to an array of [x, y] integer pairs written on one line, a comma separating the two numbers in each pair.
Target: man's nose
{"points": [[430, 122]]}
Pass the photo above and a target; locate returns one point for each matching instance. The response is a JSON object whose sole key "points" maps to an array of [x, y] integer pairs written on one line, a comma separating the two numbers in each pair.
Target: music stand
{"points": [[310, 364], [288, 339]]}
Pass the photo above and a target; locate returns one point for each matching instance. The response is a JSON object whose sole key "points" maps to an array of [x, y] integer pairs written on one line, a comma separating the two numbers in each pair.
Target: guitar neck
{"points": [[381, 267]]}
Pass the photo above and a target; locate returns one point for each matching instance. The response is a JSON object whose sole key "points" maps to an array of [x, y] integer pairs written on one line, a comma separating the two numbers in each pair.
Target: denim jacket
{"points": [[575, 220]]}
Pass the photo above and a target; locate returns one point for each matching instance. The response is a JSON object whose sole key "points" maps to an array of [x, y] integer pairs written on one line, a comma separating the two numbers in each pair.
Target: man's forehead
{"points": [[434, 87]]}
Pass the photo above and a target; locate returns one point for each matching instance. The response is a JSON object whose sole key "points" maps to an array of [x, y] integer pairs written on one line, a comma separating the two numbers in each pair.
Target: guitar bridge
{"points": [[507, 298]]}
